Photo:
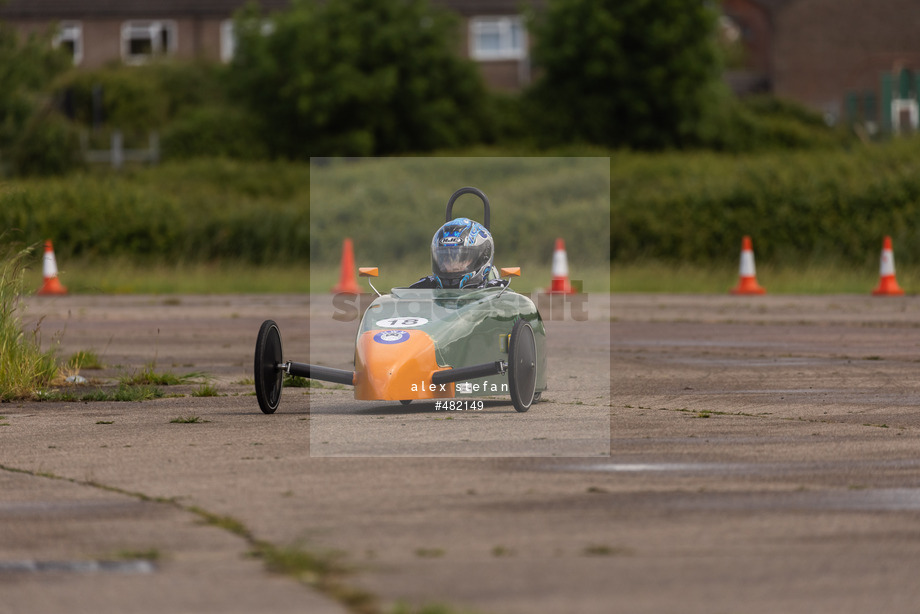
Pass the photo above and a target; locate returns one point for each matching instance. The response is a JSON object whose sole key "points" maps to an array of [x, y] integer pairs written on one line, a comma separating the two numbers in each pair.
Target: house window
{"points": [[142, 40], [70, 37], [497, 38]]}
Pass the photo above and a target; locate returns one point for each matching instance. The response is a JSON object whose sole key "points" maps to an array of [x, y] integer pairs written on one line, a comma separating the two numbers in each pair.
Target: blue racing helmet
{"points": [[461, 253]]}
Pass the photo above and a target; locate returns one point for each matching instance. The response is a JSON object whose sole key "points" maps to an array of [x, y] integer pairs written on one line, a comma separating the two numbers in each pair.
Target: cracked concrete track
{"points": [[764, 457]]}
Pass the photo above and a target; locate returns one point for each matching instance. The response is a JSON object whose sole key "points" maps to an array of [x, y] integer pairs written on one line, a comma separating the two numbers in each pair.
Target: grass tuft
{"points": [[227, 523], [123, 392], [294, 381], [84, 359], [148, 376], [24, 367], [206, 390], [298, 562], [604, 550], [136, 393]]}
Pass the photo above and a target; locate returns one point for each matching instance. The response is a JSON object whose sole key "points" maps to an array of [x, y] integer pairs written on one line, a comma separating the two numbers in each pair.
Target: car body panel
{"points": [[396, 365], [466, 327]]}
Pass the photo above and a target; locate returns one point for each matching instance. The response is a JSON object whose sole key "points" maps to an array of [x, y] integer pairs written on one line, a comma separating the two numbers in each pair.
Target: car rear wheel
{"points": [[267, 370], [522, 365]]}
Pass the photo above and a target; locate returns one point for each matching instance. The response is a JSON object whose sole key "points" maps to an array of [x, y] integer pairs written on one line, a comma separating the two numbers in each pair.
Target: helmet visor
{"points": [[453, 260]]}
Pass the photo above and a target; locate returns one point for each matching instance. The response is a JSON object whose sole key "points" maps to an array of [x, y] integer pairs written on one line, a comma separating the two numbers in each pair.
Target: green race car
{"points": [[431, 342]]}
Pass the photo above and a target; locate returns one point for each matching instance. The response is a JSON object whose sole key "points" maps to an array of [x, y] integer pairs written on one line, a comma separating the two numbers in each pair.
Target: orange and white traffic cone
{"points": [[560, 283], [51, 284], [747, 277], [348, 283], [887, 284]]}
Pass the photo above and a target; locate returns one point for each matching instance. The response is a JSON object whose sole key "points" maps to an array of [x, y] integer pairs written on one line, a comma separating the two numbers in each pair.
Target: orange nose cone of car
{"points": [[396, 365]]}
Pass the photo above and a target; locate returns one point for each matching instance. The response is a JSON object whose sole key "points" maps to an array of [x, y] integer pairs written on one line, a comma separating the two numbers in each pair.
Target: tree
{"points": [[26, 70], [357, 77], [636, 73]]}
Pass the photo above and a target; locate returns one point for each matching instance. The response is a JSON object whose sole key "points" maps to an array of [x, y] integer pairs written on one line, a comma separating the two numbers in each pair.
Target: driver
{"points": [[461, 257]]}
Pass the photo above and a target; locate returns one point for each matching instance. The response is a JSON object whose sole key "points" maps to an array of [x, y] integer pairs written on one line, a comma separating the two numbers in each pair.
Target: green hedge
{"points": [[199, 211], [829, 205], [821, 205], [213, 131]]}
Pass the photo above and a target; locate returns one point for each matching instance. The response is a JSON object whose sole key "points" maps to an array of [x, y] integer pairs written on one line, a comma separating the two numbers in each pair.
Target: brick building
{"points": [[818, 52], [133, 31], [826, 53], [825, 49], [495, 36], [751, 22]]}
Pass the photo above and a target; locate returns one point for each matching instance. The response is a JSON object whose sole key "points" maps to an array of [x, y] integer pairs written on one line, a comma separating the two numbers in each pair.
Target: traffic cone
{"points": [[887, 284], [747, 278], [560, 283], [347, 281], [51, 284]]}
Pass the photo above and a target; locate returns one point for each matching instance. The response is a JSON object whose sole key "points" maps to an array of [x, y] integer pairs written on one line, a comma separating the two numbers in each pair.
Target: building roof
{"points": [[84, 9]]}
